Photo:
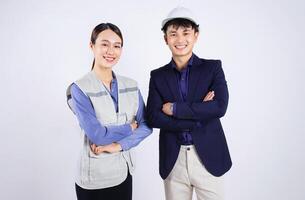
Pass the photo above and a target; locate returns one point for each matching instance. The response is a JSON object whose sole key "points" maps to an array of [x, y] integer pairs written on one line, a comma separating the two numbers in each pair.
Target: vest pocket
{"points": [[106, 166]]}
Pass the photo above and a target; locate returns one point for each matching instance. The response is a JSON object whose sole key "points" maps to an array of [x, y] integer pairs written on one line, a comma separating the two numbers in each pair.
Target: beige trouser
{"points": [[188, 174]]}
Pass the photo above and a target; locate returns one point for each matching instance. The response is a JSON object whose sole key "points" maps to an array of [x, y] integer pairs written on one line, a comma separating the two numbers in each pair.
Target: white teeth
{"points": [[109, 59], [180, 46]]}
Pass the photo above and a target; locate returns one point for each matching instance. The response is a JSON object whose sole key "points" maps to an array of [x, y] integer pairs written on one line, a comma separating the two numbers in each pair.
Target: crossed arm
{"points": [[109, 138], [166, 109], [113, 147], [207, 110], [188, 115], [140, 131]]}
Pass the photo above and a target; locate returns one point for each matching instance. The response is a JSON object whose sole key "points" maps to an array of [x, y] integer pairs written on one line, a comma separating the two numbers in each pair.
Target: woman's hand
{"points": [[134, 125], [110, 148]]}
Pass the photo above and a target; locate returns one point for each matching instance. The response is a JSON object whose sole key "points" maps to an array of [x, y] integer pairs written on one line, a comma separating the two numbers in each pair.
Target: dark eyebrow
{"points": [[173, 31], [187, 29], [105, 41], [120, 43]]}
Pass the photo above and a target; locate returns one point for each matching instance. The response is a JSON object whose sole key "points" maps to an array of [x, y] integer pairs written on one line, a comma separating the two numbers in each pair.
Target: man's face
{"points": [[180, 40]]}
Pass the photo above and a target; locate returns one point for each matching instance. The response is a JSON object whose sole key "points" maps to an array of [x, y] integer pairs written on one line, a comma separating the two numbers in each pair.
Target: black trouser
{"points": [[119, 192]]}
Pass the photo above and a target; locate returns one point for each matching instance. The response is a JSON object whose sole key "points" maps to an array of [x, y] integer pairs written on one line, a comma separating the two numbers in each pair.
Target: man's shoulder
{"points": [[205, 61], [159, 70], [207, 64]]}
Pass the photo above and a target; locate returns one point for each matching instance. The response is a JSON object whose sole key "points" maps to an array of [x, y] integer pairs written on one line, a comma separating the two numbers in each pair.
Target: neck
{"points": [[104, 74], [181, 61]]}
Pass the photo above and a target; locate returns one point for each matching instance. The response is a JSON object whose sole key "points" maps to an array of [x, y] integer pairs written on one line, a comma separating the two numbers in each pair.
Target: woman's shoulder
{"points": [[86, 81], [126, 80]]}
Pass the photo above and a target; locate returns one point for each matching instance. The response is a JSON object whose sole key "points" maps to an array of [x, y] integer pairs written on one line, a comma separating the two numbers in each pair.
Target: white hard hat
{"points": [[179, 12]]}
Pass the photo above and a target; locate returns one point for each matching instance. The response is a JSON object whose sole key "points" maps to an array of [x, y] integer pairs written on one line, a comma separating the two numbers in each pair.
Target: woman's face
{"points": [[107, 49]]}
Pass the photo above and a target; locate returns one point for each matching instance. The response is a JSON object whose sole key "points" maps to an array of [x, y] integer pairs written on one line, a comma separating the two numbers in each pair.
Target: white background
{"points": [[45, 47]]}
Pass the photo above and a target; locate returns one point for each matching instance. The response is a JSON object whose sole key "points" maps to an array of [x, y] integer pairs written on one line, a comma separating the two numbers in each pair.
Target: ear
{"points": [[196, 36], [91, 45], [165, 39]]}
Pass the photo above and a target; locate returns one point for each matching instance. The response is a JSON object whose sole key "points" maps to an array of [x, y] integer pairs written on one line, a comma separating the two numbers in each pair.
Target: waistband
{"points": [[187, 147]]}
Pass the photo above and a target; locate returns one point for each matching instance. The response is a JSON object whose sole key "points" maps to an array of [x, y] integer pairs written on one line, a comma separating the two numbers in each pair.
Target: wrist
{"points": [[118, 146]]}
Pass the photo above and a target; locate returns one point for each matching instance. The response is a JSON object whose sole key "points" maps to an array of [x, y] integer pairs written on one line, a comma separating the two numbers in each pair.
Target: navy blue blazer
{"points": [[202, 119]]}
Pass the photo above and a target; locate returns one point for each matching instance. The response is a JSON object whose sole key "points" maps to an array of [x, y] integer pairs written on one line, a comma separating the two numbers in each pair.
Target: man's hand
{"points": [[209, 96], [110, 148], [168, 108]]}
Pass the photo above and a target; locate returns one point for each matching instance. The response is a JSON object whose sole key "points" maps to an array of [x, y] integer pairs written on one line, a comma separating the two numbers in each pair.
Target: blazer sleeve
{"points": [[210, 109], [157, 119]]}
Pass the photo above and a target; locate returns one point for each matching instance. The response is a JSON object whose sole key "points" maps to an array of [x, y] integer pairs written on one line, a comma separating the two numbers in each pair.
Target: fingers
{"points": [[99, 150], [134, 125], [164, 108], [167, 108], [96, 149], [93, 147], [110, 148], [209, 96]]}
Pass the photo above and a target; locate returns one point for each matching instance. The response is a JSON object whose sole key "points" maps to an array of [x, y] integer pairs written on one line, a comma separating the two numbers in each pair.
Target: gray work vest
{"points": [[106, 169]]}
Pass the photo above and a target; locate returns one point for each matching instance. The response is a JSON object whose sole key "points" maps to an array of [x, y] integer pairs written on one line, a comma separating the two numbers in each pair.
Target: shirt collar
{"points": [[189, 64], [114, 80]]}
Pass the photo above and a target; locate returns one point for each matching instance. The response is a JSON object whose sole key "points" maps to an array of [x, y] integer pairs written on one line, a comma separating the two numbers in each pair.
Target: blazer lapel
{"points": [[194, 77], [171, 80]]}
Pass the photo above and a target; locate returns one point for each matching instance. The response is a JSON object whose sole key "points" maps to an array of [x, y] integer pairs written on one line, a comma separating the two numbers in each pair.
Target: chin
{"points": [[181, 54], [185, 52], [108, 65]]}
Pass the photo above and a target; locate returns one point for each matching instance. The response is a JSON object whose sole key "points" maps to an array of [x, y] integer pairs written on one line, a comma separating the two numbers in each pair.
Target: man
{"points": [[186, 100]]}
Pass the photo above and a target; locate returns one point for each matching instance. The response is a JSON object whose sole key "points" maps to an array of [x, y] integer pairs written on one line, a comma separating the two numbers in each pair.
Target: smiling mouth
{"points": [[180, 47], [109, 59]]}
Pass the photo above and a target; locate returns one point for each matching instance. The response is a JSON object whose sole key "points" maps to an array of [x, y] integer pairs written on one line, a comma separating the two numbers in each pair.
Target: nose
{"points": [[110, 50], [180, 38]]}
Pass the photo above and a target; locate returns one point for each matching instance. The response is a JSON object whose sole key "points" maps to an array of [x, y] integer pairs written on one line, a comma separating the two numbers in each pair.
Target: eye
{"points": [[117, 46], [173, 34], [104, 45]]}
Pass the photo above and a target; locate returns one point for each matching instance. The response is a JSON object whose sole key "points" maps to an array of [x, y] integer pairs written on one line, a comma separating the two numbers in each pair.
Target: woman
{"points": [[110, 112]]}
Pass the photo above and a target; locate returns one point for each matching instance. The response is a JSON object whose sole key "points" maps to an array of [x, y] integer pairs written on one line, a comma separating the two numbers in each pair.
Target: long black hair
{"points": [[102, 27]]}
